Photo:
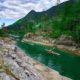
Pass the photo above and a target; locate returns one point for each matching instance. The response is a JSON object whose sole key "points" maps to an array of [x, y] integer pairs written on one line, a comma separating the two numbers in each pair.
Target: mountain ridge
{"points": [[58, 20]]}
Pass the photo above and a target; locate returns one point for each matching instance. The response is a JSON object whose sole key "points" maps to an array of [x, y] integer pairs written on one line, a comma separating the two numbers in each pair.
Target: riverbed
{"points": [[66, 64]]}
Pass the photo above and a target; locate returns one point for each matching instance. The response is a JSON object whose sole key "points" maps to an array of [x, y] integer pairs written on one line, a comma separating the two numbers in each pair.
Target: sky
{"points": [[12, 10]]}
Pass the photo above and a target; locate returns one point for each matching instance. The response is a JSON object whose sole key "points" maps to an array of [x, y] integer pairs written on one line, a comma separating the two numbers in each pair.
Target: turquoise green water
{"points": [[66, 63]]}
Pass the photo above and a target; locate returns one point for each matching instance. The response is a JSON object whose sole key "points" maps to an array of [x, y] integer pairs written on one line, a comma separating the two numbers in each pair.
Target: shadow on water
{"points": [[67, 64]]}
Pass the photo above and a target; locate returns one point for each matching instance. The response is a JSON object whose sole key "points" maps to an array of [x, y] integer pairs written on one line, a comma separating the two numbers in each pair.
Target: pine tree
{"points": [[3, 25]]}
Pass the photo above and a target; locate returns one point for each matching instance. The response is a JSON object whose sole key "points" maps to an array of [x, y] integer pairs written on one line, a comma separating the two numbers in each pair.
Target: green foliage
{"points": [[76, 34], [56, 33], [62, 19], [2, 33]]}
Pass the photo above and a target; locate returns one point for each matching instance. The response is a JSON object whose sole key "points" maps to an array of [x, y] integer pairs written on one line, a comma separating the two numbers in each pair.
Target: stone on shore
{"points": [[18, 66]]}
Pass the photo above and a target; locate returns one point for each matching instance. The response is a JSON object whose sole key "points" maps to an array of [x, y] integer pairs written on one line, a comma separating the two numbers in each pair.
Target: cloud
{"points": [[15, 9]]}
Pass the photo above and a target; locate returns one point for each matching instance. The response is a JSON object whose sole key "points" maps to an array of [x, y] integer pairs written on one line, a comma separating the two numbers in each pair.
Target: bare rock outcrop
{"points": [[18, 66], [65, 40], [13, 67]]}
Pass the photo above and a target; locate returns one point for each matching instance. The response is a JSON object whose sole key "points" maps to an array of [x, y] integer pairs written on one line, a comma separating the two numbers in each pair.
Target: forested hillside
{"points": [[61, 19]]}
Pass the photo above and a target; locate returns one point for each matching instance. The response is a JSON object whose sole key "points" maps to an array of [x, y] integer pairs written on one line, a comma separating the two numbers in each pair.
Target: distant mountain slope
{"points": [[34, 16], [61, 19]]}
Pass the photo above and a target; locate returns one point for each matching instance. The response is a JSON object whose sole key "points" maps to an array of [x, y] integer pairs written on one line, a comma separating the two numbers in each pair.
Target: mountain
{"points": [[34, 16], [61, 19]]}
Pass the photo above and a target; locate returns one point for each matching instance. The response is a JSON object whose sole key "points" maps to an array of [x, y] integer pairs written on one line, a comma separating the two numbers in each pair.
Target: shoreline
{"points": [[14, 65], [27, 65], [48, 73], [36, 42], [70, 49]]}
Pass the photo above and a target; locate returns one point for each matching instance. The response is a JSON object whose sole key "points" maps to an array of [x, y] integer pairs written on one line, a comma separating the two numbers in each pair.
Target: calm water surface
{"points": [[67, 64]]}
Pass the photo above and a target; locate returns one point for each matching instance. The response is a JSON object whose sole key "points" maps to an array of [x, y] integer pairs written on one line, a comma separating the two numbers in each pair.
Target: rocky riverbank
{"points": [[13, 66], [67, 43], [64, 42], [18, 66]]}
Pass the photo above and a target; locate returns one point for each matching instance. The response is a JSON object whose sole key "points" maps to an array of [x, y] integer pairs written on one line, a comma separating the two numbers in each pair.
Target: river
{"points": [[66, 63]]}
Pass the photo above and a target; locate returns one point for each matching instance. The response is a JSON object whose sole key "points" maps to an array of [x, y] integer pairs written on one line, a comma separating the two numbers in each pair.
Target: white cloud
{"points": [[15, 9]]}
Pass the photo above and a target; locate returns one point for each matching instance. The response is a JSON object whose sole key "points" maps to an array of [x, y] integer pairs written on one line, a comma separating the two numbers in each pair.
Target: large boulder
{"points": [[30, 35], [65, 40]]}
